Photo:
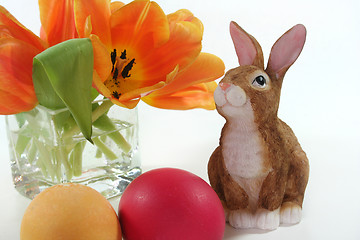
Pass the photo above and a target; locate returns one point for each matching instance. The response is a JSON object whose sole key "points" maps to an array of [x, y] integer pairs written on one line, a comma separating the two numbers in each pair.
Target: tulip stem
{"points": [[45, 159], [105, 124], [21, 143], [52, 140], [99, 111], [77, 158], [104, 149]]}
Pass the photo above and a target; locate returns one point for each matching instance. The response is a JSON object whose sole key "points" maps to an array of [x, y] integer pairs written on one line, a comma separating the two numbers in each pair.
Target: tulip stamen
{"points": [[116, 95], [115, 75], [113, 59], [121, 67], [123, 54], [127, 69]]}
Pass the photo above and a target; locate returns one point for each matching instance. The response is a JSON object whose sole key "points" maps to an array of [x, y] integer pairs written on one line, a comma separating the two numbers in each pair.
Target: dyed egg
{"points": [[71, 212], [171, 203]]}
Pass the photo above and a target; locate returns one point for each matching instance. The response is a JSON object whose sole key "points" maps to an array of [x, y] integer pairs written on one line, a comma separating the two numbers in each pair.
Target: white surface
{"points": [[319, 101]]}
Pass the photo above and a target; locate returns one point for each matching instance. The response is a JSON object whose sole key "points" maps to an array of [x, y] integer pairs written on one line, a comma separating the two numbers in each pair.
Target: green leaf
{"points": [[62, 77]]}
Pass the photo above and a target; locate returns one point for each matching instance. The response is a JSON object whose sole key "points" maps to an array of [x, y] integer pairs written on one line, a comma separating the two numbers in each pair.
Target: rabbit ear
{"points": [[285, 51], [247, 48]]}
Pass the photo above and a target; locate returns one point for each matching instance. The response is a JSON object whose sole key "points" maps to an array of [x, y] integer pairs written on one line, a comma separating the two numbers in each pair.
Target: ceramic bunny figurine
{"points": [[259, 171]]}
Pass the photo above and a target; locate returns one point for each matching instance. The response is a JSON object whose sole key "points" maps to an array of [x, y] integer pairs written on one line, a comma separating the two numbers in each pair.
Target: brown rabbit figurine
{"points": [[259, 171]]}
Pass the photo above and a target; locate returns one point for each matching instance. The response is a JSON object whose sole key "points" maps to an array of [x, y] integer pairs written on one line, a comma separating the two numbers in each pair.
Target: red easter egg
{"points": [[170, 203]]}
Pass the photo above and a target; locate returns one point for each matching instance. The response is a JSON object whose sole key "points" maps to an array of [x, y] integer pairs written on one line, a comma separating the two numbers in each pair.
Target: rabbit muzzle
{"points": [[229, 94]]}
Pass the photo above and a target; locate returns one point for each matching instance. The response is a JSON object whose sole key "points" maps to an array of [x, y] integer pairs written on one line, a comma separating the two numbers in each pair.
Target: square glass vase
{"points": [[47, 148]]}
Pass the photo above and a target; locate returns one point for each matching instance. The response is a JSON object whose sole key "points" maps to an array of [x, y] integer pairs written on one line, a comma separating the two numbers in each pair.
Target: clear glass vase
{"points": [[47, 148]]}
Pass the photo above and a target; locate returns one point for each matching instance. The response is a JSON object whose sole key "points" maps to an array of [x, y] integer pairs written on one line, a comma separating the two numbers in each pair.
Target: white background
{"points": [[320, 101]]}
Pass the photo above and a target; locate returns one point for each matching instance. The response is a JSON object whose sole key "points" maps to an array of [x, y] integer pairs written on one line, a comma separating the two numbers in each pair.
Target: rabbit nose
{"points": [[224, 86]]}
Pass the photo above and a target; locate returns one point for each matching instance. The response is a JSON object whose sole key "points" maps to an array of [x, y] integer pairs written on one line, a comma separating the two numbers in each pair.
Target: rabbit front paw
{"points": [[240, 218], [267, 220], [290, 213], [262, 219]]}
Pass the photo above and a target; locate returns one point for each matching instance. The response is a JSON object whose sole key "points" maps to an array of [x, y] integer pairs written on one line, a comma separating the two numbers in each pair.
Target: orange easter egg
{"points": [[70, 211]]}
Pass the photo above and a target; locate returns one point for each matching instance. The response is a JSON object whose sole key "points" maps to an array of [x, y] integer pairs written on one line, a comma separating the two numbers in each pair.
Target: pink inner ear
{"points": [[244, 47], [287, 48]]}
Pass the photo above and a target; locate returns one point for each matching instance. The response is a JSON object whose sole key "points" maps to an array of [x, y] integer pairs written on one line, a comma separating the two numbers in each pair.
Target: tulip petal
{"points": [[153, 64], [127, 99], [128, 104], [57, 20], [16, 86], [132, 98], [11, 27], [205, 68], [138, 28], [198, 96], [182, 49], [141, 92], [99, 11], [11, 104], [116, 5], [139, 23], [102, 60], [184, 15], [100, 86]]}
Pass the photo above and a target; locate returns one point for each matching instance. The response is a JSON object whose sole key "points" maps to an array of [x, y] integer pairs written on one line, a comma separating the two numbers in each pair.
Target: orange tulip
{"points": [[57, 21], [140, 53], [18, 47]]}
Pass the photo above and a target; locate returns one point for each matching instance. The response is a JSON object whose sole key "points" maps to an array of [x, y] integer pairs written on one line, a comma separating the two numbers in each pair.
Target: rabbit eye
{"points": [[259, 82]]}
